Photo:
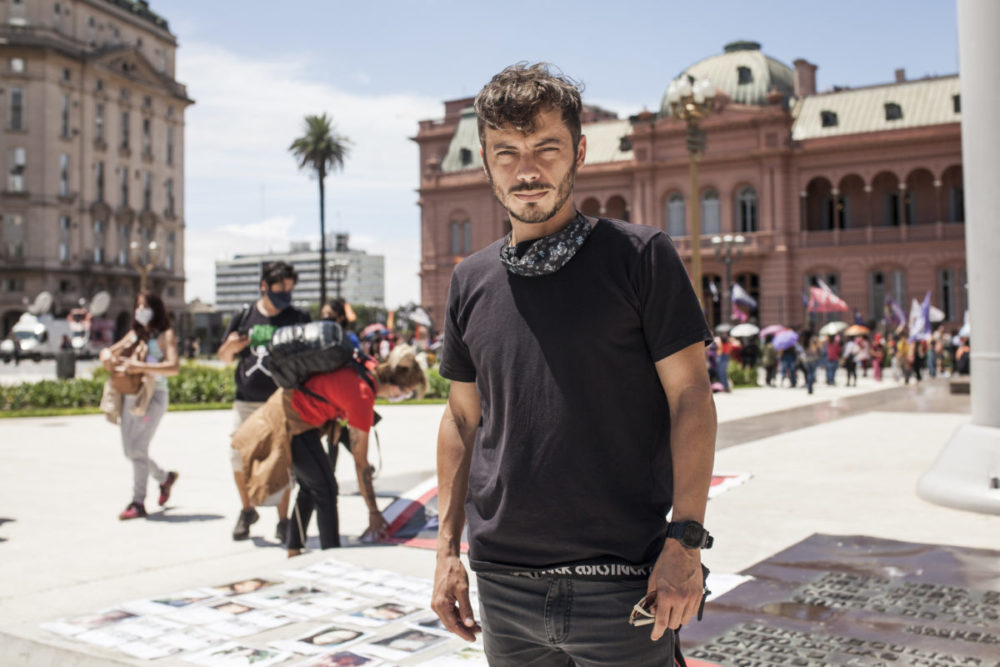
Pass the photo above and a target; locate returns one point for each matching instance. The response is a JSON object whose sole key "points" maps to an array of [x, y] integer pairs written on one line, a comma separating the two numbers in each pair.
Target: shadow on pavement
{"points": [[162, 515]]}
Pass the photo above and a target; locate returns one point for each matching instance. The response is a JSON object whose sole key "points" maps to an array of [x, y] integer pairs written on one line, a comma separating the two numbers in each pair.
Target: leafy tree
{"points": [[322, 150]]}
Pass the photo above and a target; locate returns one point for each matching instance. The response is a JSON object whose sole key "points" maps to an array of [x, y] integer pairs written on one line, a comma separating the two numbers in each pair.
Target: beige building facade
{"points": [[92, 143], [858, 187]]}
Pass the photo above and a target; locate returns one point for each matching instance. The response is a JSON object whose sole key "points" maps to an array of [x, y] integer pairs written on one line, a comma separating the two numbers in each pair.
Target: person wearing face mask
{"points": [[150, 328], [245, 342]]}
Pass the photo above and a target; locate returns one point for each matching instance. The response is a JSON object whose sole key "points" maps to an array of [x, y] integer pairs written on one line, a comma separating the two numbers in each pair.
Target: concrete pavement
{"points": [[63, 480]]}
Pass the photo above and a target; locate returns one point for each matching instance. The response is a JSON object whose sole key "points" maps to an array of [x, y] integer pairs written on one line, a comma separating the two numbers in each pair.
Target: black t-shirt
{"points": [[572, 458], [253, 380]]}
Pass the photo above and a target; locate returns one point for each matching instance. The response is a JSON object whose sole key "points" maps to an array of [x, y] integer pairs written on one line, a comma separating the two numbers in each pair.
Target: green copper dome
{"points": [[743, 72]]}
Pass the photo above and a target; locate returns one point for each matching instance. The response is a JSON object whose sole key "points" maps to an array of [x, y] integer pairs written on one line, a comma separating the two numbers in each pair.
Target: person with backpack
{"points": [[266, 452], [246, 341]]}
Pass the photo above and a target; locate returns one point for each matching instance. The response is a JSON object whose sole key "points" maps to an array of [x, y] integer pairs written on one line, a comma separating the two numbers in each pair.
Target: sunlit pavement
{"points": [[63, 481]]}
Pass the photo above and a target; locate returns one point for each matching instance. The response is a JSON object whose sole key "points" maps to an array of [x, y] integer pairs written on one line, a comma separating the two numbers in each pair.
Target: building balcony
{"points": [[757, 243], [938, 231]]}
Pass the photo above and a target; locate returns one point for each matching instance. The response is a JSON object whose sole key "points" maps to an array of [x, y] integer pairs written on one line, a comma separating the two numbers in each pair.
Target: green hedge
{"points": [[742, 377], [438, 385], [193, 384]]}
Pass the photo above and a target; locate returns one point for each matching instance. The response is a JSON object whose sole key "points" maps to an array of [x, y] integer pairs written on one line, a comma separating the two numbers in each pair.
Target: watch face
{"points": [[692, 533]]}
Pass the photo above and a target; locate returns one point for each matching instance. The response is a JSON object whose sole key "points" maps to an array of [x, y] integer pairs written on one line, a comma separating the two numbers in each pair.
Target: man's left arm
{"points": [[677, 576]]}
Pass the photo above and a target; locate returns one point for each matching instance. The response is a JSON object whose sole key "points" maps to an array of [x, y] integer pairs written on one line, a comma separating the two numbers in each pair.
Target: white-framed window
{"points": [[17, 164], [123, 240], [124, 187], [170, 144], [946, 284], [171, 250], [711, 219], [461, 238], [746, 206], [99, 122], [98, 242], [64, 224], [13, 235], [744, 75], [883, 283], [147, 191], [170, 196], [147, 136], [124, 130], [64, 118], [16, 117], [63, 174], [893, 111], [676, 222], [17, 15], [99, 180]]}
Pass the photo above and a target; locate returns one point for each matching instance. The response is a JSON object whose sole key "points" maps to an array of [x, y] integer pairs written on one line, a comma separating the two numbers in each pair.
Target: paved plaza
{"points": [[844, 461]]}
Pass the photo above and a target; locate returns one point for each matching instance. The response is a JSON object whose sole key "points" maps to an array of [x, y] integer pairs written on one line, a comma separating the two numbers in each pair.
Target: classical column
{"points": [[967, 472]]}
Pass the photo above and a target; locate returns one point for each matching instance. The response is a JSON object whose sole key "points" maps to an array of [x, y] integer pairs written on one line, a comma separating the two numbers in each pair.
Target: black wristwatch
{"points": [[690, 534]]}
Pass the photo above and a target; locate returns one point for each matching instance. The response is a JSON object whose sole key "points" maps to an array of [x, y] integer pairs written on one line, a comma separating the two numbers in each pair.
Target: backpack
{"points": [[299, 351]]}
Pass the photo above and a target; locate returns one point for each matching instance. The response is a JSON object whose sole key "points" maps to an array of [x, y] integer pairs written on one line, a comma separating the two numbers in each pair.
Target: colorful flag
{"points": [[738, 314], [741, 297], [714, 290], [825, 301], [920, 319], [896, 317]]}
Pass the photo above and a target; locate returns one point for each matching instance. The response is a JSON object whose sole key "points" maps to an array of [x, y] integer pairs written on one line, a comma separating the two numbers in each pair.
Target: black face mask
{"points": [[279, 300]]}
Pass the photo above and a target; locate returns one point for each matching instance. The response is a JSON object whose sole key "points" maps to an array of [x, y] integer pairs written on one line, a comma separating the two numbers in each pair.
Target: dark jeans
{"points": [[317, 490], [810, 372], [552, 622]]}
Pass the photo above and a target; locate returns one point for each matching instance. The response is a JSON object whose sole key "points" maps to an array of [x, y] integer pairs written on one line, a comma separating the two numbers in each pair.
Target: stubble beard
{"points": [[533, 214]]}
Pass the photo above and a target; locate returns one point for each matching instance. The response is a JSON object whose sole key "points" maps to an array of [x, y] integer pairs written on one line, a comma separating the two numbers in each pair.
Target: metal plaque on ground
{"points": [[856, 600]]}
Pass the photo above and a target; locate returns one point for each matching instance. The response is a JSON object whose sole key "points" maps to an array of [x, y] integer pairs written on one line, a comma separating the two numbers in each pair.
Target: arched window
{"points": [[676, 225], [746, 206], [711, 222], [884, 283], [461, 238]]}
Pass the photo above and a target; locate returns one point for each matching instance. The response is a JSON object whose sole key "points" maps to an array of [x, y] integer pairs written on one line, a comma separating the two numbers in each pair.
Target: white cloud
{"points": [[243, 187]]}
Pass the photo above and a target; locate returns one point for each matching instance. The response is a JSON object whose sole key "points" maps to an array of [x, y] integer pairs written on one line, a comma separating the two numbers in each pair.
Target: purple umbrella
{"points": [[785, 339], [773, 329]]}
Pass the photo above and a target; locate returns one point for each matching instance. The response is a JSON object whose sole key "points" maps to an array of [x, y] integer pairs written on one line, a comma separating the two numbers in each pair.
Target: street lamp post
{"points": [[143, 264], [690, 100], [338, 273], [725, 246]]}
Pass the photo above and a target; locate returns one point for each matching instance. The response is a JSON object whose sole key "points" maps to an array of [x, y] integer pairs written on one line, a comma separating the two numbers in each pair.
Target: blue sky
{"points": [[256, 68]]}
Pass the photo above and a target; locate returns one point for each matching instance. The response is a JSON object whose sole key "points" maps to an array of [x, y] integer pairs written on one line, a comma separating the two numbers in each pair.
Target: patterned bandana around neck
{"points": [[547, 254]]}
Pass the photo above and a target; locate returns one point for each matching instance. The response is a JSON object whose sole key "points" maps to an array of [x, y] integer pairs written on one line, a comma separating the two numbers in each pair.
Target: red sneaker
{"points": [[166, 486], [133, 511]]}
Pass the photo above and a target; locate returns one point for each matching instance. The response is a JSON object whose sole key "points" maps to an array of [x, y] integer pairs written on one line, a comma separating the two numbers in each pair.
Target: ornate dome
{"points": [[743, 73]]}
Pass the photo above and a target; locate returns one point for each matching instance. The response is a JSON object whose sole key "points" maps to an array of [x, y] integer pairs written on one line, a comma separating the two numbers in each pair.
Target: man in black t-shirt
{"points": [[579, 412], [246, 341]]}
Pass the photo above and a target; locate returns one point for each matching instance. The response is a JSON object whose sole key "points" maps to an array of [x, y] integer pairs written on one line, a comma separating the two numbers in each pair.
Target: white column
{"points": [[968, 469]]}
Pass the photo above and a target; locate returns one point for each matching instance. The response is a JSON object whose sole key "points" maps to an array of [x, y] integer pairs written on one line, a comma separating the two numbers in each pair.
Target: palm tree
{"points": [[322, 150]]}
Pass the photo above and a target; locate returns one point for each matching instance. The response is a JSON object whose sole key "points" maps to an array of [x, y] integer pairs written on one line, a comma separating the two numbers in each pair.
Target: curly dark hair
{"points": [[517, 94]]}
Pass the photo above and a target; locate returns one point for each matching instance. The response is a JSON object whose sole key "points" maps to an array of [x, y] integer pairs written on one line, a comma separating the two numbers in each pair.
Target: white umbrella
{"points": [[744, 330], [832, 328]]}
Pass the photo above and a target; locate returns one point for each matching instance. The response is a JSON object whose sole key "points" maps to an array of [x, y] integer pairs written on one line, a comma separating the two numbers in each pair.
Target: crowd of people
{"points": [[797, 364]]}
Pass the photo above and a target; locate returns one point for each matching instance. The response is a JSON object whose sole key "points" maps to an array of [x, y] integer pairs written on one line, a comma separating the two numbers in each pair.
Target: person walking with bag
{"points": [[245, 342], [148, 349]]}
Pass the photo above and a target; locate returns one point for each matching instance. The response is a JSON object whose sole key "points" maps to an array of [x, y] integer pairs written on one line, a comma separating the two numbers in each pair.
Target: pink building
{"points": [[858, 187]]}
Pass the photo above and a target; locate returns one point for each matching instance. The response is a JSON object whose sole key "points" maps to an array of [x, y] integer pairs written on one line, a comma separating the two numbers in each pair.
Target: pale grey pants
{"points": [[137, 433]]}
